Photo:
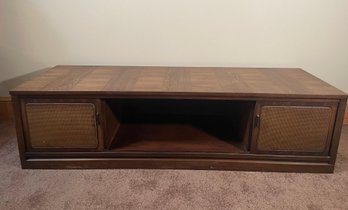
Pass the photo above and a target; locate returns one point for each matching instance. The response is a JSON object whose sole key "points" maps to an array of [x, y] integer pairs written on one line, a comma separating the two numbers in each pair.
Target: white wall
{"points": [[311, 34]]}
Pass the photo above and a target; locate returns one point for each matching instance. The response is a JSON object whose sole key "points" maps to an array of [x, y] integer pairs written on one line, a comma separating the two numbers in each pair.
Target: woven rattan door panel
{"points": [[291, 129], [61, 125]]}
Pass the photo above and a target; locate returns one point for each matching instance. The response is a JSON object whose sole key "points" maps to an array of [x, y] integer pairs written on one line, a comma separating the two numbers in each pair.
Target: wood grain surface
{"points": [[171, 138], [171, 81]]}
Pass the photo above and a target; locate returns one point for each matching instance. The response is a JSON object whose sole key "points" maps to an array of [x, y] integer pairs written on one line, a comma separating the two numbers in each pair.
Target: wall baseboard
{"points": [[345, 122], [6, 111]]}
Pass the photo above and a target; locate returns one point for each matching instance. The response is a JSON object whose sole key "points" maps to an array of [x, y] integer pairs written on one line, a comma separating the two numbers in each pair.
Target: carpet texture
{"points": [[166, 189]]}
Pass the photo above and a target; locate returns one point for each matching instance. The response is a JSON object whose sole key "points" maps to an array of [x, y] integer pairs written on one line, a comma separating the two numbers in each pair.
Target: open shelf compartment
{"points": [[172, 125]]}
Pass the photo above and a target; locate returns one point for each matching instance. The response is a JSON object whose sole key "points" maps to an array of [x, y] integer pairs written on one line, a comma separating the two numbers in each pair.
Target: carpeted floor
{"points": [[166, 189]]}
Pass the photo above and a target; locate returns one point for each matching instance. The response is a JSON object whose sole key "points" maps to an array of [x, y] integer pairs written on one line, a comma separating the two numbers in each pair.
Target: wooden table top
{"points": [[178, 81]]}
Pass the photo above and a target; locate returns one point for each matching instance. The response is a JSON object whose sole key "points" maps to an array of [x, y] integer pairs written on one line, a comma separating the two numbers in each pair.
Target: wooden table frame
{"points": [[247, 88]]}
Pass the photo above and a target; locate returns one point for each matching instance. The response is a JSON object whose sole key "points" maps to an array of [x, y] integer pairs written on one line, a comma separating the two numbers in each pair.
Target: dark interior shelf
{"points": [[171, 138], [153, 125]]}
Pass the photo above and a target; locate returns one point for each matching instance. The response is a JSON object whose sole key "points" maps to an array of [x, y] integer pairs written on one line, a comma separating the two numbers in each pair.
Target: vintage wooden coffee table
{"points": [[178, 117]]}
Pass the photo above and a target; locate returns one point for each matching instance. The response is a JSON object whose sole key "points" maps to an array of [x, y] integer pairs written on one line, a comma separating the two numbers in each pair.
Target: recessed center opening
{"points": [[168, 125]]}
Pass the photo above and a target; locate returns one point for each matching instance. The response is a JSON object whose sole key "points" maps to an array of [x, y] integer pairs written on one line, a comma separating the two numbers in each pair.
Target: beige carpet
{"points": [[166, 189]]}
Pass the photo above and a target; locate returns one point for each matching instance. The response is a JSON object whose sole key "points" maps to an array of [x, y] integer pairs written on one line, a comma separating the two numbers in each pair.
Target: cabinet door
{"points": [[293, 128], [61, 125]]}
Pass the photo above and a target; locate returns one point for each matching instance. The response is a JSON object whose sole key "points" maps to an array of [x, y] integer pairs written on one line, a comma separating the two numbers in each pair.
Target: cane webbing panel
{"points": [[294, 128], [62, 125]]}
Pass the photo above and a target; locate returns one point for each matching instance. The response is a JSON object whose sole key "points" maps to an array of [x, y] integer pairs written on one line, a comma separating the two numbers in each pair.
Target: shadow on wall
{"points": [[22, 48]]}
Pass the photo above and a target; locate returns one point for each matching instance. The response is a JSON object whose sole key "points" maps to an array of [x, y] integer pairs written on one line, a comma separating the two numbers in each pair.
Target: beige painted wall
{"points": [[311, 34]]}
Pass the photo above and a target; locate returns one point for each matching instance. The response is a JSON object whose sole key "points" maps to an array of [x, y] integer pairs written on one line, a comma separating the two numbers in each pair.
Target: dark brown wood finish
{"points": [[19, 129], [171, 138], [179, 117], [165, 163], [178, 81], [111, 125], [337, 130], [187, 155]]}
